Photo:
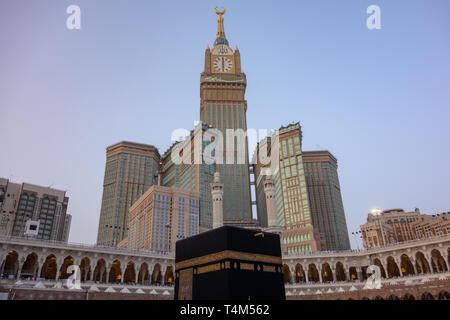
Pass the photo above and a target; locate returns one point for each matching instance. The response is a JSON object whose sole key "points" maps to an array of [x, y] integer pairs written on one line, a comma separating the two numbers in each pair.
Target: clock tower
{"points": [[223, 106]]}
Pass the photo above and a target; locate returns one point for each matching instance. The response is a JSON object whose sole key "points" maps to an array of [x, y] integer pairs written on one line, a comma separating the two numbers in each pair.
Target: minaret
{"points": [[272, 216], [217, 198]]}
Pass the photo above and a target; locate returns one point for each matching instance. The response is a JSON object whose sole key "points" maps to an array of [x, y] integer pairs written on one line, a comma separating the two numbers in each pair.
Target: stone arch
{"points": [[437, 261], [168, 275], [129, 275], [286, 274], [406, 265], [68, 261], [422, 265], [299, 273], [408, 296], [115, 273], [313, 273], [444, 295], [353, 273], [30, 267], [85, 269], [378, 298], [392, 268], [49, 268], [427, 296], [100, 271], [378, 263], [156, 274], [393, 297], [365, 298], [327, 273], [11, 264], [143, 275], [340, 272]]}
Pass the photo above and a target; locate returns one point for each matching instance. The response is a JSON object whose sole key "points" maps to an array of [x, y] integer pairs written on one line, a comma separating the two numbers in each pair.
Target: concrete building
{"points": [[429, 226], [162, 216], [325, 199], [131, 169], [23, 203], [396, 226], [388, 227]]}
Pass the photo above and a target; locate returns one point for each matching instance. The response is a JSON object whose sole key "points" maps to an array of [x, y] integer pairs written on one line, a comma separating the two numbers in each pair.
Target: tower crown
{"points": [[221, 38]]}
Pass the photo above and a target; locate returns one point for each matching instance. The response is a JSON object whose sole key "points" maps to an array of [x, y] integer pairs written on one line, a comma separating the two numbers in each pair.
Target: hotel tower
{"points": [[223, 106]]}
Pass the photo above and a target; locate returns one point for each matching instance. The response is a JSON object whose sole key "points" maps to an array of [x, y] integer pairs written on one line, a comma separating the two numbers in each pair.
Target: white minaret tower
{"points": [[217, 198], [272, 215]]}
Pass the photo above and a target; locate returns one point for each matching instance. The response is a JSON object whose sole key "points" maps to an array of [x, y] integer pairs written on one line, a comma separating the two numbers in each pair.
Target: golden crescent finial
{"points": [[219, 12]]}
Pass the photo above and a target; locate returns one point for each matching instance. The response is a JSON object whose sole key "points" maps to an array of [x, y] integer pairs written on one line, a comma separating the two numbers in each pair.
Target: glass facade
{"points": [[291, 192], [131, 169], [235, 176], [191, 176], [325, 198]]}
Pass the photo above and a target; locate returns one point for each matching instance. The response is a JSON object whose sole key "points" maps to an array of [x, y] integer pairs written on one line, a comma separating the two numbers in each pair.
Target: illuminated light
{"points": [[376, 210]]}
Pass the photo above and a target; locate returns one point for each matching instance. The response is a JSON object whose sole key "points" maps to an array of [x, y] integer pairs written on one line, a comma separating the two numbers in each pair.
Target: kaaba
{"points": [[229, 263]]}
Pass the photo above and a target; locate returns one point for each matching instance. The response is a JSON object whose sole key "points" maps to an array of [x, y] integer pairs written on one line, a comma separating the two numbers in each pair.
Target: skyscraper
{"points": [[291, 194], [324, 191], [223, 106], [131, 169], [190, 175], [46, 207]]}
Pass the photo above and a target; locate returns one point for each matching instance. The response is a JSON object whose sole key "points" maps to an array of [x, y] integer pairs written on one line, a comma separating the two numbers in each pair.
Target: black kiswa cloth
{"points": [[229, 263]]}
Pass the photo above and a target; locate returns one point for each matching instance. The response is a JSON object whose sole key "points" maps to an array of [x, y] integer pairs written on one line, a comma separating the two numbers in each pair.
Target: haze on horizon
{"points": [[378, 100]]}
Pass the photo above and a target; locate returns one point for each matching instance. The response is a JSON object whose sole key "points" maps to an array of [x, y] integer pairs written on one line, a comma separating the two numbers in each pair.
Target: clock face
{"points": [[223, 64], [222, 49]]}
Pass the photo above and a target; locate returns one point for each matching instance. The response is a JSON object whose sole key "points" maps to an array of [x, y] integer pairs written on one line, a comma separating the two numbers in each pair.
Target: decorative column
{"points": [[359, 273], [92, 268], [2, 262], [108, 269], [40, 266], [292, 270], [163, 274], [385, 267], [20, 263], [320, 275], [59, 263], [429, 258], [217, 198], [333, 270], [413, 262]]}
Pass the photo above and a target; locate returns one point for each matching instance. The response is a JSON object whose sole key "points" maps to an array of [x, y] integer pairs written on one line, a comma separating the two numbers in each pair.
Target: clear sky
{"points": [[379, 100]]}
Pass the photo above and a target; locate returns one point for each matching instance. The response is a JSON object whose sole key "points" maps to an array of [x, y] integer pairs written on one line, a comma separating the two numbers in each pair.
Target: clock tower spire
{"points": [[221, 38]]}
